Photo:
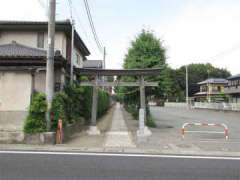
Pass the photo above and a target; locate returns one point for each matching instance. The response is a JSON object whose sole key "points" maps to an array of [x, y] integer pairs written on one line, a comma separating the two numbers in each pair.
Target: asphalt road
{"points": [[25, 166], [172, 119]]}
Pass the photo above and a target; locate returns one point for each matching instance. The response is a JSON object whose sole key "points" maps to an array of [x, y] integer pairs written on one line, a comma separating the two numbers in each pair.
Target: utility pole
{"points": [[104, 58], [72, 50], [208, 88], [187, 99], [72, 41], [50, 60], [104, 65]]}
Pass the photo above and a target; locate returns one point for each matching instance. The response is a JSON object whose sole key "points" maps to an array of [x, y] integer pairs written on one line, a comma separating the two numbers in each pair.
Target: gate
{"points": [[99, 73]]}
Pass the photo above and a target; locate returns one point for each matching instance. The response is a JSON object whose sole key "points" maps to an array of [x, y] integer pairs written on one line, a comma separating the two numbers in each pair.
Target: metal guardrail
{"points": [[225, 132]]}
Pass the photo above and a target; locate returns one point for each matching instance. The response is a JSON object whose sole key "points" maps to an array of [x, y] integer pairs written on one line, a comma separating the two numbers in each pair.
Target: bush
{"points": [[150, 121], [134, 111], [35, 121], [74, 101], [58, 110], [70, 105], [86, 107], [103, 103]]}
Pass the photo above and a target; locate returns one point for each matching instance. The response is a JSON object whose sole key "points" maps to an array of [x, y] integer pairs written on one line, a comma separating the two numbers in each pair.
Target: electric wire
{"points": [[100, 47]]}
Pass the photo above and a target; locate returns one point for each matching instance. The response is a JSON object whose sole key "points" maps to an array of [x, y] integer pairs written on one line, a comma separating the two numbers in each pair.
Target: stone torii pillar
{"points": [[93, 129], [143, 131]]}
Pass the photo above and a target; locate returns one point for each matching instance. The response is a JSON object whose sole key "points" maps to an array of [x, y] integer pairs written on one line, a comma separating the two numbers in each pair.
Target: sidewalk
{"points": [[118, 136]]}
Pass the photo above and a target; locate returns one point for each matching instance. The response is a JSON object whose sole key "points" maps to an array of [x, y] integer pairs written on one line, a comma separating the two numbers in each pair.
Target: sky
{"points": [[192, 31]]}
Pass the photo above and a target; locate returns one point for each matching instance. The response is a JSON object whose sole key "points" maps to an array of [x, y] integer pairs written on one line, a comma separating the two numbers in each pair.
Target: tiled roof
{"points": [[92, 64], [18, 50], [234, 77], [214, 81]]}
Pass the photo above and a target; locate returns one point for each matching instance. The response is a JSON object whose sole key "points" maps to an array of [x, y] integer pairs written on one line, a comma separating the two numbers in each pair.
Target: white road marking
{"points": [[121, 155]]}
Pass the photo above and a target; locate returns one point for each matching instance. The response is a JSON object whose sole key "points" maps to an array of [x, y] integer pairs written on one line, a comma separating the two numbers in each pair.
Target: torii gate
{"points": [[143, 131]]}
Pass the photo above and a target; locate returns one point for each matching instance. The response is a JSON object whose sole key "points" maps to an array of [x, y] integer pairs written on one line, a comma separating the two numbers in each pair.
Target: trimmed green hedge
{"points": [[35, 121], [71, 105], [103, 103]]}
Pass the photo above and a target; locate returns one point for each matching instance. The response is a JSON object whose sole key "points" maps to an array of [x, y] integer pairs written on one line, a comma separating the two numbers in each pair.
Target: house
{"points": [[233, 88], [23, 52], [211, 90]]}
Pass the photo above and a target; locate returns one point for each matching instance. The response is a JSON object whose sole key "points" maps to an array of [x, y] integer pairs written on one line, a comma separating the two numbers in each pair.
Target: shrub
{"points": [[103, 102], [79, 100], [58, 110], [35, 121], [86, 106], [74, 102], [150, 121], [134, 111]]}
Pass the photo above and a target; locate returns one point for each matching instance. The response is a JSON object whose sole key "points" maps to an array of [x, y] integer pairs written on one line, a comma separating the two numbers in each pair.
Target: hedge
{"points": [[71, 105], [58, 110], [35, 121]]}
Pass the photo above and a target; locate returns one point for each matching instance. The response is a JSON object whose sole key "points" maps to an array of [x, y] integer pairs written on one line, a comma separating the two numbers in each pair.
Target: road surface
{"points": [[172, 119], [59, 166]]}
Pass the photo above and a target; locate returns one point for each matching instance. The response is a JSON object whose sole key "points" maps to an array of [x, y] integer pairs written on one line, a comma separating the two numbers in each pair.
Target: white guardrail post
{"points": [[183, 130]]}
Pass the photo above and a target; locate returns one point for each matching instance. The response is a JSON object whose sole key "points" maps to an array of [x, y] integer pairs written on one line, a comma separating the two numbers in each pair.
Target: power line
{"points": [[78, 19], [224, 53], [100, 47], [44, 6], [70, 8]]}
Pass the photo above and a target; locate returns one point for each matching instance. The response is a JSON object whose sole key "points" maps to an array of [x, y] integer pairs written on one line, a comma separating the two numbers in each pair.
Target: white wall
{"points": [[40, 79], [15, 91], [25, 38]]}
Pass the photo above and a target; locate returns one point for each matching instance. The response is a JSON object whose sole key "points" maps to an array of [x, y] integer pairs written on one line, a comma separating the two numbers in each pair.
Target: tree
{"points": [[146, 51], [198, 73]]}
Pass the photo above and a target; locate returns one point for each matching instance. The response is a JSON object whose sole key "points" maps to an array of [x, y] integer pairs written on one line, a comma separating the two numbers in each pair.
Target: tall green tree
{"points": [[146, 51]]}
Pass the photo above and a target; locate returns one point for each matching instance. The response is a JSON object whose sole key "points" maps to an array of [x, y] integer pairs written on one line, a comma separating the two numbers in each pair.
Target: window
{"points": [[40, 39], [78, 59]]}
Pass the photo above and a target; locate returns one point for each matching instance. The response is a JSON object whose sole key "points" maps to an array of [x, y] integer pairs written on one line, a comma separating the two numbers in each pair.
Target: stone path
{"points": [[118, 136]]}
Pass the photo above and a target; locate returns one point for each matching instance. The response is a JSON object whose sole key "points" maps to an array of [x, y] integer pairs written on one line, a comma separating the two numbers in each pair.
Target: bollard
{"points": [[59, 132]]}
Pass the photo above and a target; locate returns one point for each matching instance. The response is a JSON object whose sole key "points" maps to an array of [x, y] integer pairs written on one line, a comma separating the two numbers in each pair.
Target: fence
{"points": [[225, 132], [217, 106], [175, 104]]}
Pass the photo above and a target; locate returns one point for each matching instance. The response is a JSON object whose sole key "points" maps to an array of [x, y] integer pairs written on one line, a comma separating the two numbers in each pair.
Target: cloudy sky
{"points": [[192, 31]]}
